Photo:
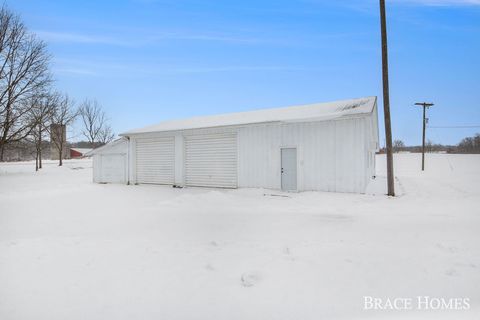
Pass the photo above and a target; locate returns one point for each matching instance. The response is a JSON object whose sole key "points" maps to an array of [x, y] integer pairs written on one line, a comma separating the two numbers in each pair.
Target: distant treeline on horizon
{"points": [[467, 145]]}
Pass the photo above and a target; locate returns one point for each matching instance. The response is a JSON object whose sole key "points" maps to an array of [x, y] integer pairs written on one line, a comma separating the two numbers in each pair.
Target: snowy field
{"points": [[71, 249]]}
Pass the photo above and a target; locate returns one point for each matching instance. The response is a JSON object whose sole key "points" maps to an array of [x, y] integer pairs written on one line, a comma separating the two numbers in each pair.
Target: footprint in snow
{"points": [[288, 254], [249, 279], [451, 272], [465, 265], [209, 267], [447, 249]]}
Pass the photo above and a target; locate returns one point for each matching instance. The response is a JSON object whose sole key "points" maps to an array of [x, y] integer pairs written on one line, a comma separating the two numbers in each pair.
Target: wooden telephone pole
{"points": [[386, 100], [425, 105]]}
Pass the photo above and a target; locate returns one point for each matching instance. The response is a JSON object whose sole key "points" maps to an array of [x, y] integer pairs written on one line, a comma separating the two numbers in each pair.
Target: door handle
{"points": [[282, 170]]}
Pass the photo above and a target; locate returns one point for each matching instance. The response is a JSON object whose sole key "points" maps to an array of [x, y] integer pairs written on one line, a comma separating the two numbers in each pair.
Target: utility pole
{"points": [[386, 100], [425, 105]]}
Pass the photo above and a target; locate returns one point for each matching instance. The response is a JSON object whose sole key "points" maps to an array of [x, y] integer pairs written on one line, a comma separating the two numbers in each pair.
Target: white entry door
{"points": [[289, 169]]}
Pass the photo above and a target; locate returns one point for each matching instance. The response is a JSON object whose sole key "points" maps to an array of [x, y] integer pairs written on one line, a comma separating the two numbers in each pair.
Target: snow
{"points": [[71, 249], [311, 112]]}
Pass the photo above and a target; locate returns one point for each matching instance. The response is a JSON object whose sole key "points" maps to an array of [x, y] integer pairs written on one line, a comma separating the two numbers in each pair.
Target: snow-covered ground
{"points": [[71, 249]]}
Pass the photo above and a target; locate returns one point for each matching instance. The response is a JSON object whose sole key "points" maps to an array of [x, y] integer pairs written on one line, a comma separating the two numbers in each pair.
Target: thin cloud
{"points": [[150, 39], [371, 7], [233, 69], [442, 3], [76, 71], [209, 37], [68, 37], [81, 68], [65, 37]]}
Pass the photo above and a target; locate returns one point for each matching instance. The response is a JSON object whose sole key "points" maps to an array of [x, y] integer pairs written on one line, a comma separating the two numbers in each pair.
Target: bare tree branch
{"points": [[106, 135], [24, 72], [93, 120], [64, 114]]}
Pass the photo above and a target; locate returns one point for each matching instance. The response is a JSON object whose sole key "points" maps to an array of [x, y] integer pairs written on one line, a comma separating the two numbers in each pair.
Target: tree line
{"points": [[29, 102], [467, 145]]}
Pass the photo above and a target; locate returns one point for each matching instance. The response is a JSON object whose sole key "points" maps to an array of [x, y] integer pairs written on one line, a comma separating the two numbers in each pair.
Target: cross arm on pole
{"points": [[424, 104]]}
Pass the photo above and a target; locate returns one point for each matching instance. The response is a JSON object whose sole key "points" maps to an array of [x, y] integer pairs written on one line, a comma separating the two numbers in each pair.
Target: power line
{"points": [[452, 127]]}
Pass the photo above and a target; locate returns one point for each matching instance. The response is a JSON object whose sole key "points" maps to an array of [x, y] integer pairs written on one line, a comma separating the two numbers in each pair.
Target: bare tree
{"points": [[41, 113], [470, 144], [64, 114], [24, 64], [398, 145], [94, 120], [105, 135], [429, 146]]}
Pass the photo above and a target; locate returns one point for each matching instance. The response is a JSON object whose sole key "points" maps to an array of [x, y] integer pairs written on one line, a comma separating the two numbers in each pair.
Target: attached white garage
{"points": [[324, 146], [110, 162]]}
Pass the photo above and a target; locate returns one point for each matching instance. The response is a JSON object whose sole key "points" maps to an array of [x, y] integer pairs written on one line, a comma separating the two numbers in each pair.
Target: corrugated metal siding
{"points": [[113, 168], [259, 156], [96, 168], [318, 154], [155, 160], [331, 155], [211, 160], [373, 140], [351, 155]]}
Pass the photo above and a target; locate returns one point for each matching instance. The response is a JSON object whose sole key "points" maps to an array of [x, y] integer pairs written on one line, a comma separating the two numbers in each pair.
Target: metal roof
{"points": [[311, 112], [83, 151], [105, 146]]}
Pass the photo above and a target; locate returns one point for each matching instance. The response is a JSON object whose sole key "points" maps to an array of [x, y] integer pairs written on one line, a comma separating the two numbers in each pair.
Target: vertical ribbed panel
{"points": [[155, 160], [211, 160], [332, 155], [112, 168]]}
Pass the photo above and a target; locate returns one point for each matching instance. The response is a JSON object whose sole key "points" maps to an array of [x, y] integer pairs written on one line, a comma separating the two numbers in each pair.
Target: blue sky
{"points": [[146, 61]]}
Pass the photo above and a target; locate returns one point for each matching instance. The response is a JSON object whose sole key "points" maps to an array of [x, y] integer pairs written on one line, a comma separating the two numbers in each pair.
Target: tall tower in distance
{"points": [[58, 141]]}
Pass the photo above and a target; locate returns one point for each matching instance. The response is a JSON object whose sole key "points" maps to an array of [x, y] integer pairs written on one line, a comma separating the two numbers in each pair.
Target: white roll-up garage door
{"points": [[211, 160], [155, 160]]}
